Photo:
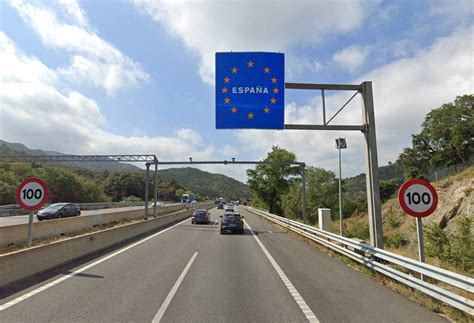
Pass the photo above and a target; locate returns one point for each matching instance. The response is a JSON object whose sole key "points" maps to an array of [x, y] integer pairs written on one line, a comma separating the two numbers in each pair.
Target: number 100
{"points": [[416, 198], [29, 193]]}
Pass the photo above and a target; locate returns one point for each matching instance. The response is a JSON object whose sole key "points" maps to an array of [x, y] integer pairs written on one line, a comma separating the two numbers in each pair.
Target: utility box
{"points": [[324, 219]]}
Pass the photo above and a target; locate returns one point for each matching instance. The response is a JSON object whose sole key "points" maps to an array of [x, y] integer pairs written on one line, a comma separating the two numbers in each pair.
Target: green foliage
{"points": [[437, 243], [269, 183], [205, 184], [392, 221], [387, 189], [462, 252], [395, 240], [132, 199], [358, 228], [456, 248], [120, 185], [446, 139]]}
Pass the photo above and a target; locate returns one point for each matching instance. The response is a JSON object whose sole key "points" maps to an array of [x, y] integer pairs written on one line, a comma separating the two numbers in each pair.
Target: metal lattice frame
{"points": [[368, 130], [79, 158]]}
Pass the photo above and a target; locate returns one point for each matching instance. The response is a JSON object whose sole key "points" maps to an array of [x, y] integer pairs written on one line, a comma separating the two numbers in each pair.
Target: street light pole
{"points": [[340, 144]]}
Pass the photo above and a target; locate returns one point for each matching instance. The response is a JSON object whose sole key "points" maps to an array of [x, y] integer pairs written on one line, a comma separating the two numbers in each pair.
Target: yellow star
{"points": [[234, 70], [226, 100], [224, 90], [267, 70], [274, 80], [227, 79], [249, 64], [267, 110], [273, 100], [234, 110], [250, 115], [275, 90]]}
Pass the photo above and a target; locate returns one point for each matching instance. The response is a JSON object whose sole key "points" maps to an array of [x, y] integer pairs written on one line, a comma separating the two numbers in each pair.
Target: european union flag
{"points": [[250, 90]]}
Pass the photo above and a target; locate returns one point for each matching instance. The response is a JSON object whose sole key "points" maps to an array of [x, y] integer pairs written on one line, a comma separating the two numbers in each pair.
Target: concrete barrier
{"points": [[17, 234], [18, 265]]}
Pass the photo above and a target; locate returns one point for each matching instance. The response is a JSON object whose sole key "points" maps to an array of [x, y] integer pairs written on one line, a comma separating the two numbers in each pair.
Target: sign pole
{"points": [[340, 192], [421, 244], [30, 230]]}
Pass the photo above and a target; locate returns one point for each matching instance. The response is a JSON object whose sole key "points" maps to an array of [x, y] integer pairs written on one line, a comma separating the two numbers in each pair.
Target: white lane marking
{"points": [[80, 270], [216, 222], [174, 289], [296, 296]]}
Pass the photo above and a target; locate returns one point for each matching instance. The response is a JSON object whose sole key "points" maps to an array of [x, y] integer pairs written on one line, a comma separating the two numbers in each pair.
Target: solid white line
{"points": [[80, 270], [296, 296], [173, 290]]}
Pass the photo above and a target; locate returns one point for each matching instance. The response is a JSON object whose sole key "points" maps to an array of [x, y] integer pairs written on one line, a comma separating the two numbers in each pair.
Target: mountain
{"points": [[13, 149], [356, 185], [205, 183]]}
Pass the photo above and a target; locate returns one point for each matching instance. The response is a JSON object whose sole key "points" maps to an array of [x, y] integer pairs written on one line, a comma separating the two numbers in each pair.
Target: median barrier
{"points": [[22, 264], [16, 234]]}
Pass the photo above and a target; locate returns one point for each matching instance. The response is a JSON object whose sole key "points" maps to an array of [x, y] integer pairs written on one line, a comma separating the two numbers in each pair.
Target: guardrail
{"points": [[15, 209], [397, 267]]}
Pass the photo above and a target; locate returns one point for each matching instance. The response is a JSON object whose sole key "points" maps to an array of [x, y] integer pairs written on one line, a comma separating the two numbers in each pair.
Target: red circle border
{"points": [[405, 207], [41, 203]]}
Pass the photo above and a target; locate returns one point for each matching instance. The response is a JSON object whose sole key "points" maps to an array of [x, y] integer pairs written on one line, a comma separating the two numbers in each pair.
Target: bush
{"points": [[358, 229], [462, 248], [132, 198], [392, 221], [437, 242], [395, 240]]}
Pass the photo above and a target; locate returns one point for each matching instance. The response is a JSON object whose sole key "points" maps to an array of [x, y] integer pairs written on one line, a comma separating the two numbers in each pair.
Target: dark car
{"points": [[58, 210], [232, 222], [220, 205], [201, 216]]}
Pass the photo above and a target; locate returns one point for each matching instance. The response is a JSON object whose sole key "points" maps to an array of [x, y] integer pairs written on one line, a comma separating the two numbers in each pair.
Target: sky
{"points": [[137, 77]]}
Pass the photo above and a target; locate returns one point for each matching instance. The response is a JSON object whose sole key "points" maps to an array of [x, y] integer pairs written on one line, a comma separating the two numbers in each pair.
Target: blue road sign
{"points": [[250, 90]]}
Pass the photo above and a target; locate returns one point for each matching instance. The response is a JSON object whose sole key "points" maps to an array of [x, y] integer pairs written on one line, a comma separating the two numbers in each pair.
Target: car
{"points": [[232, 222], [229, 209], [220, 205], [58, 210], [201, 216], [158, 204]]}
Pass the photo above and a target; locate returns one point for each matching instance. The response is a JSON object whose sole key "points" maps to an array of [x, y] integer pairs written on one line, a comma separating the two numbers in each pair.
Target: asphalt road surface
{"points": [[191, 273], [23, 219]]}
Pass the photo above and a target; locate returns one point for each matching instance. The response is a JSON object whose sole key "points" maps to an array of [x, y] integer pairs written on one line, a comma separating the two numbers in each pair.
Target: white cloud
{"points": [[190, 136], [351, 57], [209, 27], [95, 60], [404, 92], [34, 112]]}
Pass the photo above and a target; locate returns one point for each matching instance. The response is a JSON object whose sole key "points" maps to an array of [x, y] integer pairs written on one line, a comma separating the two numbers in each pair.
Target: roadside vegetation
{"points": [[73, 184], [444, 147]]}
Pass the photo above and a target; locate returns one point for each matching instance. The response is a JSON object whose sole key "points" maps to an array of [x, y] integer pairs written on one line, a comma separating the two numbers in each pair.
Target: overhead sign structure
{"points": [[250, 90], [32, 194], [418, 198]]}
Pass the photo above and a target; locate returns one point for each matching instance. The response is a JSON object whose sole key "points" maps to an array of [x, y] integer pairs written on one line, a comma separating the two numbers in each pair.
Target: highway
{"points": [[191, 273], [22, 219]]}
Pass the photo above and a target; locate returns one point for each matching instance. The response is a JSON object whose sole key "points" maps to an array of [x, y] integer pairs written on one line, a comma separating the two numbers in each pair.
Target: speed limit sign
{"points": [[32, 193], [418, 198]]}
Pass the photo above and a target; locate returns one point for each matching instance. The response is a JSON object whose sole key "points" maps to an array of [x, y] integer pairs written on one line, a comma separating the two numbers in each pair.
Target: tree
{"points": [[387, 189], [121, 185], [446, 139], [270, 182]]}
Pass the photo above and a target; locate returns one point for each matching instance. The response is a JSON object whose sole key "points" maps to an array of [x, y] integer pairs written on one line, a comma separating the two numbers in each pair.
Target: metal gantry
{"points": [[250, 162], [368, 129], [79, 158]]}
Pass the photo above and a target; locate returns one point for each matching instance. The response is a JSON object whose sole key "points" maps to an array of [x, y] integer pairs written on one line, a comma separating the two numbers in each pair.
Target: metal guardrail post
{"points": [[155, 193], [147, 188], [303, 192]]}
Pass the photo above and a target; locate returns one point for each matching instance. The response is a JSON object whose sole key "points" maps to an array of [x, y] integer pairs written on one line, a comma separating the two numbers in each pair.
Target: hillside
{"points": [[205, 183], [356, 185], [12, 149]]}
